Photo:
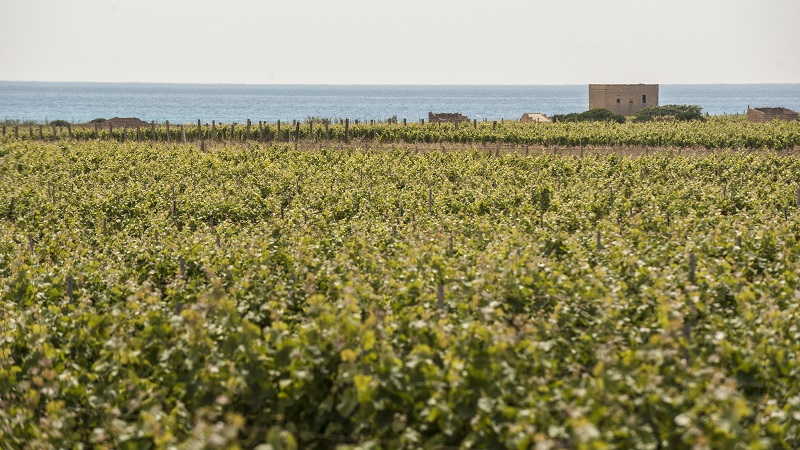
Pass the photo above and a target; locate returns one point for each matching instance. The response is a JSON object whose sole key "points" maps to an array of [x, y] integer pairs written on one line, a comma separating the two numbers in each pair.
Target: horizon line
{"points": [[380, 84]]}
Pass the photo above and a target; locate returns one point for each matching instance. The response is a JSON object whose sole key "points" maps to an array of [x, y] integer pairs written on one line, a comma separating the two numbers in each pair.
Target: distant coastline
{"points": [[42, 101]]}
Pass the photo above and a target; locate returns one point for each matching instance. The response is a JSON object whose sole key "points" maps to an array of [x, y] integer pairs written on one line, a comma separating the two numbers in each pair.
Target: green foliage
{"points": [[592, 115], [683, 113], [714, 133], [60, 123], [156, 296], [97, 120]]}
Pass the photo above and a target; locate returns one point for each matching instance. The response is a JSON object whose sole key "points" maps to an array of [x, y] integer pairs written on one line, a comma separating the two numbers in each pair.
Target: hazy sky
{"points": [[402, 41]]}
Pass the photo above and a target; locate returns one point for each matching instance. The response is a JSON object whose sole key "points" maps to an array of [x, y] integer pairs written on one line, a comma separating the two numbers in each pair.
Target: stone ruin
{"points": [[447, 118], [763, 115], [126, 122]]}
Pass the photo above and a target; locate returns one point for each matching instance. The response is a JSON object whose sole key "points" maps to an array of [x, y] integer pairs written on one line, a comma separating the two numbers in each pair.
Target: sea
{"points": [[184, 103]]}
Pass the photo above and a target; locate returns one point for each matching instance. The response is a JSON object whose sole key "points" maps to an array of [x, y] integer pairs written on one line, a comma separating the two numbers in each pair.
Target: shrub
{"points": [[669, 112], [98, 120], [593, 115], [59, 123]]}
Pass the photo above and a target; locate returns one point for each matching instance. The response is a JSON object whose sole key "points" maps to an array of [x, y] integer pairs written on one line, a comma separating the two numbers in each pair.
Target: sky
{"points": [[401, 41]]}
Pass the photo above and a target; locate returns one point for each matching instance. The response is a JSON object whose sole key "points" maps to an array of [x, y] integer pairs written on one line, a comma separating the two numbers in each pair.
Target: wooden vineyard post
{"points": [[404, 122], [199, 130], [247, 131], [124, 133], [599, 244], [138, 133], [55, 133], [4, 131], [311, 130], [279, 130], [233, 130], [686, 330], [69, 130], [16, 131], [430, 201], [168, 137], [213, 130], [110, 132], [183, 134], [260, 131], [296, 133], [346, 131], [328, 132], [475, 124], [174, 204], [70, 288], [440, 298], [96, 131], [611, 197], [153, 130]]}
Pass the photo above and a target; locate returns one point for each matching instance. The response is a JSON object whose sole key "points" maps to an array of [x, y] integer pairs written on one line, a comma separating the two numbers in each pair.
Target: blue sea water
{"points": [[180, 103]]}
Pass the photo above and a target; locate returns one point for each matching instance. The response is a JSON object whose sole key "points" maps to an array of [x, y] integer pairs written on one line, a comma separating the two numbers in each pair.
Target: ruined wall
{"points": [[120, 122], [447, 117], [624, 99], [763, 115]]}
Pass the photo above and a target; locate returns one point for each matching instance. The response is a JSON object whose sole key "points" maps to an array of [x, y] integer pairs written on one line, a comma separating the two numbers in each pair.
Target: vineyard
{"points": [[715, 133], [155, 295]]}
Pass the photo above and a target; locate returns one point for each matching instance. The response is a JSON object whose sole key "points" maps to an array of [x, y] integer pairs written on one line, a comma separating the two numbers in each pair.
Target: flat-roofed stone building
{"points": [[623, 99]]}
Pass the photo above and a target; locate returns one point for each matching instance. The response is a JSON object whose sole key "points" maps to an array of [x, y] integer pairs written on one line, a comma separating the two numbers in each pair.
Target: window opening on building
{"points": [[617, 100], [644, 98]]}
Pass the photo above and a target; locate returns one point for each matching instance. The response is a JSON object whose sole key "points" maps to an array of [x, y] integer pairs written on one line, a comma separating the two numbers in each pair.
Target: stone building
{"points": [[534, 118], [762, 115], [623, 99]]}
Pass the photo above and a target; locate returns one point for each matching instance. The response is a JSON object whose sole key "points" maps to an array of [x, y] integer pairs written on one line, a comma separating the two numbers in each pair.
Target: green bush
{"points": [[593, 115], [59, 123], [98, 120], [669, 112]]}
